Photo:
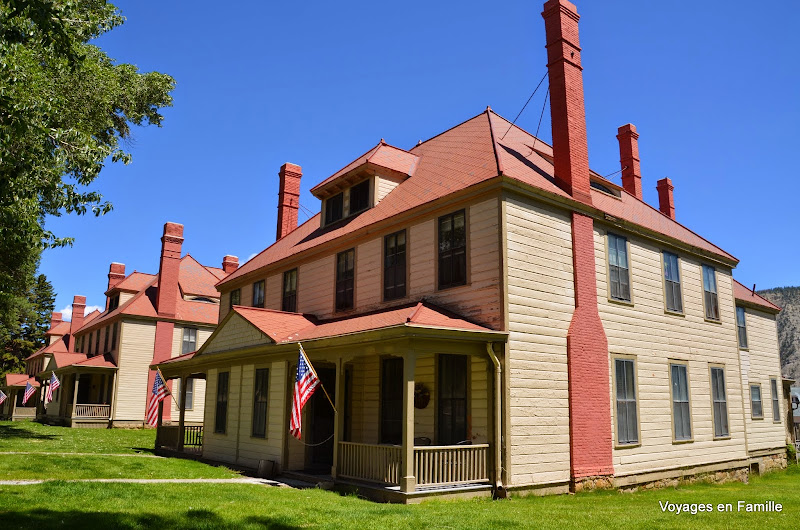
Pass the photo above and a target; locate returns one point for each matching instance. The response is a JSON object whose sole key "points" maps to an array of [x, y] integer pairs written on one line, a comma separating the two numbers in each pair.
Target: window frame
{"points": [[285, 296], [106, 338], [395, 266], [715, 293], [685, 365], [452, 251], [440, 399], [666, 283], [327, 219], [231, 303], [611, 297], [97, 342], [223, 429], [741, 328], [113, 303], [263, 288], [617, 442], [760, 400], [114, 336], [727, 434], [264, 372], [344, 282], [776, 400], [189, 394], [386, 401], [188, 331], [367, 197]]}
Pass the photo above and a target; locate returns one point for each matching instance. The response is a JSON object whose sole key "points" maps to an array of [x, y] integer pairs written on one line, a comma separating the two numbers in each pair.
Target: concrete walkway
{"points": [[240, 480], [50, 453]]}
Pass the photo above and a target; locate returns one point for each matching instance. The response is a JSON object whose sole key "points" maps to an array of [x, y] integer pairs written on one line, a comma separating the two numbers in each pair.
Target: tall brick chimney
{"points": [[666, 202], [230, 264], [568, 118], [55, 319], [288, 198], [78, 308], [116, 273], [629, 160], [168, 289], [587, 347]]}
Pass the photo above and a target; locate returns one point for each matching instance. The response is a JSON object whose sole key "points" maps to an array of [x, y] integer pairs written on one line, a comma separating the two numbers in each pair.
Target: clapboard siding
{"points": [[540, 305], [315, 286], [655, 338], [760, 363], [136, 342], [222, 447], [384, 186], [236, 333], [369, 291]]}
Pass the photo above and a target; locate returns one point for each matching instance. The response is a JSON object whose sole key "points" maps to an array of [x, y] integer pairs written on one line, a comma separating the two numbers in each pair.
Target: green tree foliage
{"points": [[66, 109]]}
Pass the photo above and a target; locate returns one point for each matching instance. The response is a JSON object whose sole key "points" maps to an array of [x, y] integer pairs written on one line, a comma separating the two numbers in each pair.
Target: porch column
{"points": [[75, 395], [12, 396], [338, 416], [112, 398], [408, 482], [182, 414]]}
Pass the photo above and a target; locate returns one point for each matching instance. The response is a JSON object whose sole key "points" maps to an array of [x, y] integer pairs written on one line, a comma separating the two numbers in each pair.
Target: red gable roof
{"points": [[195, 279], [102, 361], [472, 152], [62, 328], [134, 282], [20, 380], [745, 294]]}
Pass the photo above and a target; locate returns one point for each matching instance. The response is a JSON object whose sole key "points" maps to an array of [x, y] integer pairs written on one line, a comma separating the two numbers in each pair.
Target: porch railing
{"points": [[448, 465], [370, 462], [168, 437], [193, 438], [91, 411], [25, 412]]}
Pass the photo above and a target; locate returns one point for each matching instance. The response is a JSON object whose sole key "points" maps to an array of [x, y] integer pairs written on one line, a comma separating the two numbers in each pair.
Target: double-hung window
{"points": [[392, 400], [741, 327], [756, 405], [627, 420], [106, 338], [710, 292], [394, 265], [776, 409], [719, 402], [452, 399], [114, 333], [189, 401], [681, 413], [258, 294], [334, 208], [236, 298], [221, 417], [260, 394], [97, 343], [345, 279], [289, 302], [189, 340], [672, 283], [452, 250], [618, 273]]}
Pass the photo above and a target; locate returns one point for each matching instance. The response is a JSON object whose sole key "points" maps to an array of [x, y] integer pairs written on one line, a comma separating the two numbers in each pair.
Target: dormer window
{"points": [[334, 208], [113, 302], [359, 197]]}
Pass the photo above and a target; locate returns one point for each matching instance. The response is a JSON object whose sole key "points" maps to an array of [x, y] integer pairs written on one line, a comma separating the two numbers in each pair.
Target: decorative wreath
{"points": [[422, 396]]}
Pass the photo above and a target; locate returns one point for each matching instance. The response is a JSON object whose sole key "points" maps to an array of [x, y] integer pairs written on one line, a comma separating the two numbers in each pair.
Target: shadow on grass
{"points": [[12, 431]]}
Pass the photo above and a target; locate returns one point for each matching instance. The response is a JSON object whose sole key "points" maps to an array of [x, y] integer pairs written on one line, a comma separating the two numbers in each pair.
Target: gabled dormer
{"points": [[364, 182]]}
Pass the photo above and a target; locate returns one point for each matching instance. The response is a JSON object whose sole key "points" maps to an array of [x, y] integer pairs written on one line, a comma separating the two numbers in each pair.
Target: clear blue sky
{"points": [[711, 86]]}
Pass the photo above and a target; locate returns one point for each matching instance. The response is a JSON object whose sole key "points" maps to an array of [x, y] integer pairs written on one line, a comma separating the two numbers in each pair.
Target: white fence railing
{"points": [[451, 464], [102, 412]]}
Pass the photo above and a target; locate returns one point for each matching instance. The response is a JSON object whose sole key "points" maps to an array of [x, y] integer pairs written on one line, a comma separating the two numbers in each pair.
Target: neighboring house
{"points": [[102, 359], [13, 386], [490, 315]]}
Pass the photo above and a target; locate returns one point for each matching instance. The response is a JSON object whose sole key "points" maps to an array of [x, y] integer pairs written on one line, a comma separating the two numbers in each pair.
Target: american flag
{"points": [[160, 392], [54, 384], [29, 391], [3, 397], [304, 386]]}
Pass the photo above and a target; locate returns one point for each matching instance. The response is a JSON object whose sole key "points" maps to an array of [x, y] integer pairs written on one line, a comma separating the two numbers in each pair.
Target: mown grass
{"points": [[67, 505], [35, 437]]}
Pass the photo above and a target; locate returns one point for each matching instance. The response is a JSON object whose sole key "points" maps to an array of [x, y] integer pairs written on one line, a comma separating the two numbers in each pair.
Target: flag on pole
{"points": [[54, 384], [158, 395], [3, 397], [304, 386], [29, 391]]}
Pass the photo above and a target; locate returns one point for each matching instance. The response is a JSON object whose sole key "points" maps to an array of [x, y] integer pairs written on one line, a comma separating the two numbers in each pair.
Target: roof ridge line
{"points": [[494, 141], [415, 311]]}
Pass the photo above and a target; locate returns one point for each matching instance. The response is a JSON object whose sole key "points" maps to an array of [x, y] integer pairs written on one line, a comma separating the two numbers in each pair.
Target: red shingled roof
{"points": [[745, 294], [195, 279], [102, 361], [63, 360], [20, 380], [472, 152], [135, 282], [62, 328]]}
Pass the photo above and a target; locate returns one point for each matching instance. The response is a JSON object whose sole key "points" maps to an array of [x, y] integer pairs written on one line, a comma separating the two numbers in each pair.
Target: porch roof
{"points": [[19, 380]]}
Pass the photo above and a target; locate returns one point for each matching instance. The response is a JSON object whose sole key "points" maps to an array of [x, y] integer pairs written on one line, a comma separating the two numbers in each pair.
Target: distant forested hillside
{"points": [[788, 327]]}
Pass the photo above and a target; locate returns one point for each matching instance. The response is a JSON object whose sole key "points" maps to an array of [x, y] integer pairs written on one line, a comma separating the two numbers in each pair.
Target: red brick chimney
{"points": [[567, 116], [55, 319], [168, 289], [666, 203], [587, 347], [629, 160], [78, 308], [230, 264], [288, 198], [116, 273]]}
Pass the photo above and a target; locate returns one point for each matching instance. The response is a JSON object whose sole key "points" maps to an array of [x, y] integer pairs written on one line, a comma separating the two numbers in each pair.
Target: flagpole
{"points": [[315, 375]]}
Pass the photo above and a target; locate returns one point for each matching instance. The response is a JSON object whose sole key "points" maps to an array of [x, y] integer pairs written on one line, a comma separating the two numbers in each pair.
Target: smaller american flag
{"points": [[160, 392], [54, 384], [29, 391], [304, 386], [3, 397]]}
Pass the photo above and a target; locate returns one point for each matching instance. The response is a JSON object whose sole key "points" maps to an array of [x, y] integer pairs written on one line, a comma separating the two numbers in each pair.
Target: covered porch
{"points": [[13, 385], [85, 397], [180, 436]]}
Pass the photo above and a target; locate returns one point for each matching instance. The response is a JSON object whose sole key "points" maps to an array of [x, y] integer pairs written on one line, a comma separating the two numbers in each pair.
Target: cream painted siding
{"points": [[237, 333], [221, 447], [655, 338], [124, 297], [251, 449], [273, 298], [760, 363], [384, 186], [366, 400], [195, 415], [136, 342], [224, 305], [369, 290], [540, 305], [315, 286]]}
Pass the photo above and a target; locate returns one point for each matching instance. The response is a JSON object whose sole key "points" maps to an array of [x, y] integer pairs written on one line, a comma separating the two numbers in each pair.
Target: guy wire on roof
{"points": [[536, 136], [526, 104]]}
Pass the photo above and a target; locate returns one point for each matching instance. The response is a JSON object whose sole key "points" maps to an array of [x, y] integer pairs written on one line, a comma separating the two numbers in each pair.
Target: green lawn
{"points": [[31, 436], [89, 505]]}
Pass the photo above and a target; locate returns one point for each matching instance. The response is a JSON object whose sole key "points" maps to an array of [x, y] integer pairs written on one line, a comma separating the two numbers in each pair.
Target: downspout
{"points": [[499, 489]]}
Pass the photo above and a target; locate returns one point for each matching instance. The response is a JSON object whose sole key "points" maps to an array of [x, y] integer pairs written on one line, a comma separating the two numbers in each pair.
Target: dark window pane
{"points": [[720, 403], [452, 250], [289, 302], [258, 294], [741, 327], [345, 276], [627, 421], [221, 417], [394, 273], [392, 400], [710, 292], [757, 407], [680, 402], [776, 409], [334, 208], [260, 397], [452, 399], [236, 297], [359, 197], [618, 274], [189, 394]]}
